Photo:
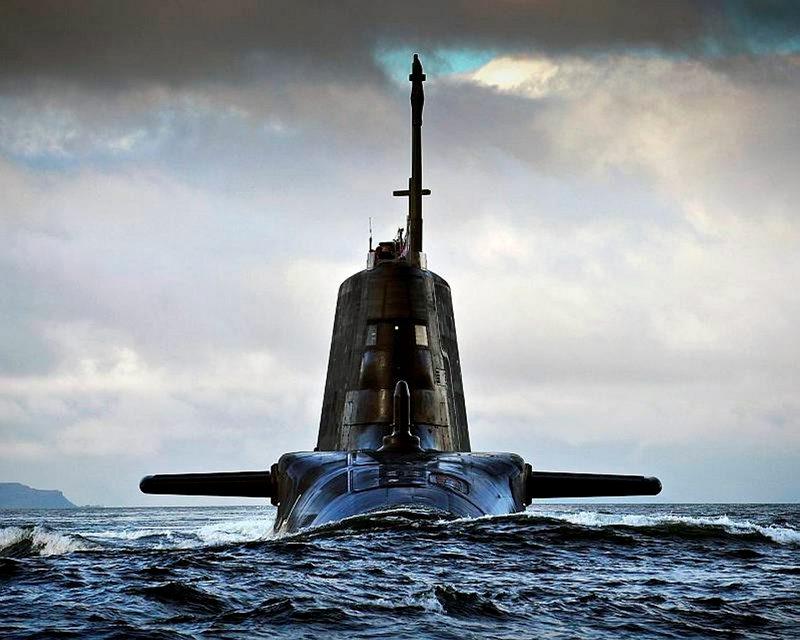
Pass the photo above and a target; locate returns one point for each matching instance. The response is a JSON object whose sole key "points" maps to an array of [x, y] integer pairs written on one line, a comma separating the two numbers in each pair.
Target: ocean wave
{"points": [[29, 540], [584, 525], [531, 527], [212, 534], [589, 570], [459, 603], [134, 534], [391, 519], [236, 531], [184, 596], [283, 610], [20, 542], [675, 523]]}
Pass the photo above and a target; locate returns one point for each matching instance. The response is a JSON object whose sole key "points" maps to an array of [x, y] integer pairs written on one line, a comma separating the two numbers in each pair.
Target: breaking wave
{"points": [[215, 534], [18, 542], [677, 525], [24, 541], [37, 540], [569, 526]]}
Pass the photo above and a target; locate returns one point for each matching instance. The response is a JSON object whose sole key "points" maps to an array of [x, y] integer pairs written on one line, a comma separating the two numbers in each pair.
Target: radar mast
{"points": [[413, 244]]}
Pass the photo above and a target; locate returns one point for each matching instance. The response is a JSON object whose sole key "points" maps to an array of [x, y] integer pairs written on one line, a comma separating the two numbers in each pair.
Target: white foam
{"points": [[134, 534], [782, 535], [427, 600], [50, 543], [212, 534], [43, 542], [12, 535], [234, 531]]}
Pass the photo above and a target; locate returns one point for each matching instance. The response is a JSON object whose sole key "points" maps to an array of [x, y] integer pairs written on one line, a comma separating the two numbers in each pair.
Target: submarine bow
{"points": [[393, 429]]}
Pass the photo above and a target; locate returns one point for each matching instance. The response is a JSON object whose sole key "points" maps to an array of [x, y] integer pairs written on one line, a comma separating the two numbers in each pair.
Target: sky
{"points": [[615, 206]]}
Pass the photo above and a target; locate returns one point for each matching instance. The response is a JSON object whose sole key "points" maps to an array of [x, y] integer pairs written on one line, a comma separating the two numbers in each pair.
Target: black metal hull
{"points": [[316, 488]]}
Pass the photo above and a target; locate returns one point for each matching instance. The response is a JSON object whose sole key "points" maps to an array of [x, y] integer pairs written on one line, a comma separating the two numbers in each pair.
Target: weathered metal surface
{"points": [[393, 322]]}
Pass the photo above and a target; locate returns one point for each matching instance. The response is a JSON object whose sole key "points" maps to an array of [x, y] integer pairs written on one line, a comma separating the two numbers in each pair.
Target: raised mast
{"points": [[415, 190]]}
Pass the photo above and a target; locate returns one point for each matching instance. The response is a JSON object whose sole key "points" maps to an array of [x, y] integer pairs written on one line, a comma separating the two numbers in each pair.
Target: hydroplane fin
{"points": [[555, 484], [243, 484]]}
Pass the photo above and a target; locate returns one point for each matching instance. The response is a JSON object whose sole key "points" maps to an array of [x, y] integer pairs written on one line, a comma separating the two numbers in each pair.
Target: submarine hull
{"points": [[316, 488]]}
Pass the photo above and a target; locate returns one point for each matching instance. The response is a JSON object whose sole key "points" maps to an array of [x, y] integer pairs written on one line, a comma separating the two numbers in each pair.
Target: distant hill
{"points": [[14, 495]]}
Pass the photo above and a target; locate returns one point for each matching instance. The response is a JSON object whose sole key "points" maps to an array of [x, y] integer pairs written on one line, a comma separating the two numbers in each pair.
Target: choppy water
{"points": [[558, 571]]}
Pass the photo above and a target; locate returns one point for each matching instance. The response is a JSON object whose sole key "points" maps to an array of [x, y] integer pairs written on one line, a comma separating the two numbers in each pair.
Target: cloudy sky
{"points": [[615, 205]]}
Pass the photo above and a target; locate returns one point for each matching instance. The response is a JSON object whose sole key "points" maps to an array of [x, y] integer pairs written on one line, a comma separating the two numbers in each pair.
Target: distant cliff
{"points": [[14, 495]]}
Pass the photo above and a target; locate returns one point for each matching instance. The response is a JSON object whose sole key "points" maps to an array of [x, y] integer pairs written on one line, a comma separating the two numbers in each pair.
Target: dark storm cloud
{"points": [[120, 43]]}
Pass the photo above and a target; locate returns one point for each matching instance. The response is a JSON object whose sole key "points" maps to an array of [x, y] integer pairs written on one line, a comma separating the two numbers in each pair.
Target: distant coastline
{"points": [[15, 495]]}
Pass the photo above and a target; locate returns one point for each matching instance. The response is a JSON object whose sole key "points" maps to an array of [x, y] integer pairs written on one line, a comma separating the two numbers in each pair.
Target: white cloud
{"points": [[533, 77]]}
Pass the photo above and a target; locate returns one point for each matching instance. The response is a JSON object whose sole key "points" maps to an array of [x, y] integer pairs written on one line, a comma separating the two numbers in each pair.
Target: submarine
{"points": [[393, 430]]}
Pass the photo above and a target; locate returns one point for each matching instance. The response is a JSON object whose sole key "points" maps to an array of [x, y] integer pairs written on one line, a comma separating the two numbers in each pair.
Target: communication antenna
{"points": [[370, 233], [415, 191]]}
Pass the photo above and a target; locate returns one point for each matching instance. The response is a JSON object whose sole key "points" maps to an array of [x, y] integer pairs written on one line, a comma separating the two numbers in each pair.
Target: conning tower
{"points": [[394, 321]]}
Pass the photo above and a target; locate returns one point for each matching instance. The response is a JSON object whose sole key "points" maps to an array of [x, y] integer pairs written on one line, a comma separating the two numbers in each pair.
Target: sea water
{"points": [[556, 571]]}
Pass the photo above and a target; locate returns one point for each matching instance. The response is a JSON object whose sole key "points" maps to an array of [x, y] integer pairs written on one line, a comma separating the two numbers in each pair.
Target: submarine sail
{"points": [[394, 321], [393, 427]]}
